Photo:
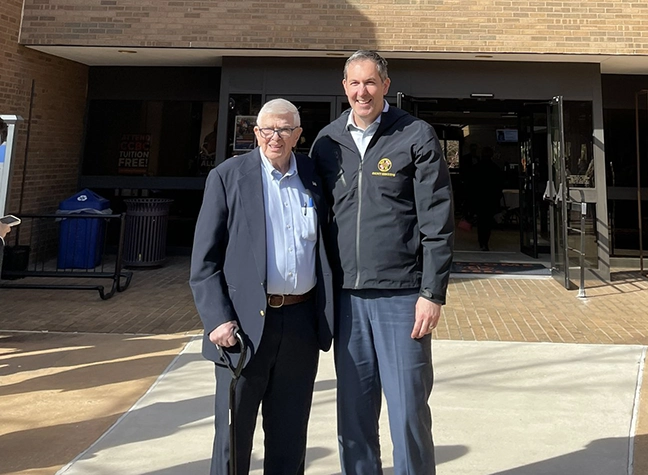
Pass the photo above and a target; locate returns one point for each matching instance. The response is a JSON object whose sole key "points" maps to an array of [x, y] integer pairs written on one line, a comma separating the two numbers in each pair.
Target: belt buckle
{"points": [[283, 299]]}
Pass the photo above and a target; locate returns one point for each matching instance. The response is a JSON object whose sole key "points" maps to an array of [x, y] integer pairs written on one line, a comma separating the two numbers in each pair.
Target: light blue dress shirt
{"points": [[291, 230], [363, 137]]}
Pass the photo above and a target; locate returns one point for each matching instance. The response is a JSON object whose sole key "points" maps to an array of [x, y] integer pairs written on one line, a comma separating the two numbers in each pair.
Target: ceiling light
{"points": [[482, 95]]}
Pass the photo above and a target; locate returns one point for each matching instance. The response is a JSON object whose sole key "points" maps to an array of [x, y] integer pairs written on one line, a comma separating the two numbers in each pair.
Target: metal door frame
{"points": [[532, 250], [558, 195], [638, 95]]}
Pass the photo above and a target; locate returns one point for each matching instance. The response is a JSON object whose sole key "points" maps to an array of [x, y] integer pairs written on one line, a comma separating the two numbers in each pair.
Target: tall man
{"points": [[389, 187], [259, 265]]}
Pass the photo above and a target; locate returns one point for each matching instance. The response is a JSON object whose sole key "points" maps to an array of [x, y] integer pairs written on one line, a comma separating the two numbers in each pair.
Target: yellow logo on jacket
{"points": [[384, 165]]}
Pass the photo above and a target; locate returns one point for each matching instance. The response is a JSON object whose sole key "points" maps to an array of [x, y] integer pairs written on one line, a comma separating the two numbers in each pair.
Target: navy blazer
{"points": [[228, 262]]}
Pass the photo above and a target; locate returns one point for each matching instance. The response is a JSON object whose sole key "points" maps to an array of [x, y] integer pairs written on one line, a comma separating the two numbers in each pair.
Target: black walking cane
{"points": [[236, 372]]}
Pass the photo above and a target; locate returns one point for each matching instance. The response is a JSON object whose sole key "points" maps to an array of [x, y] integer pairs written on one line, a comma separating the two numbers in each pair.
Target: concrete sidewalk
{"points": [[72, 364], [499, 408], [59, 392]]}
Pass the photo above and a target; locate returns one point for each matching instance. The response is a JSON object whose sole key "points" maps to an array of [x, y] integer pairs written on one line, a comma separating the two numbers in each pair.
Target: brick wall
{"points": [[533, 26], [57, 116]]}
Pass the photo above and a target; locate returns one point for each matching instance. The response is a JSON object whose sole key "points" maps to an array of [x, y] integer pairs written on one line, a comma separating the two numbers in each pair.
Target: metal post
{"points": [[581, 287], [640, 220], [120, 253]]}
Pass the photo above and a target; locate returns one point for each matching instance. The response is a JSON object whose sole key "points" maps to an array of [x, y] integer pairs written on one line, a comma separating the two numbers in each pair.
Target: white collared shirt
{"points": [[363, 137], [291, 230]]}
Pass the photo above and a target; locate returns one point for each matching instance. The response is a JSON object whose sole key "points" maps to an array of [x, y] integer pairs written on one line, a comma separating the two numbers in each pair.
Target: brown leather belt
{"points": [[278, 300]]}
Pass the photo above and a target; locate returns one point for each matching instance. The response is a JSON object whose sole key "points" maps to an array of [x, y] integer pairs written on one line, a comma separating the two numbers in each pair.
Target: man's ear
{"points": [[386, 86]]}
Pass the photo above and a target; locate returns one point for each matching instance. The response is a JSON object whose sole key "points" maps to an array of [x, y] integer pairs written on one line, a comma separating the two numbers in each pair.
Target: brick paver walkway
{"points": [[543, 310], [500, 309], [157, 301]]}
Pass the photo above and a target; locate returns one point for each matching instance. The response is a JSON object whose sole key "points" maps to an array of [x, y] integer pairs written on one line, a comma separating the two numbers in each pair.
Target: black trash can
{"points": [[146, 230]]}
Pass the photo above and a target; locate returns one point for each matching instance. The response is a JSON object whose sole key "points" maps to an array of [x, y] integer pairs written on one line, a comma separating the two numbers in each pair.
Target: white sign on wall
{"points": [[7, 138]]}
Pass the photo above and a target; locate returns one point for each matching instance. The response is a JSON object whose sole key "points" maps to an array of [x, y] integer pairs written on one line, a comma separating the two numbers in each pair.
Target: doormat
{"points": [[516, 268]]}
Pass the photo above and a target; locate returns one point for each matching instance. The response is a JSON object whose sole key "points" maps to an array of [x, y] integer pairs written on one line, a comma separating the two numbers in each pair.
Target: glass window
{"points": [[314, 117], [149, 138], [621, 147], [579, 163], [244, 108]]}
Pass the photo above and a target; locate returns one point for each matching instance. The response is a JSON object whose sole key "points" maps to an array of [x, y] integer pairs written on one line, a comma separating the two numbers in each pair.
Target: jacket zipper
{"points": [[357, 282]]}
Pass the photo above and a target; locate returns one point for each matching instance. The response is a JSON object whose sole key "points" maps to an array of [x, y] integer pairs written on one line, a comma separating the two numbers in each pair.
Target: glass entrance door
{"points": [[527, 187], [557, 193], [533, 212]]}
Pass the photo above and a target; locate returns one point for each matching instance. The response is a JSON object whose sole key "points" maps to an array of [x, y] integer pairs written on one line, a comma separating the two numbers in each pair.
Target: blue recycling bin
{"points": [[81, 239]]}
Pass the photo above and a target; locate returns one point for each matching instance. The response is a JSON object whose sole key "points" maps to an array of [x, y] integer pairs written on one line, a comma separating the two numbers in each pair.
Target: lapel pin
{"points": [[314, 184]]}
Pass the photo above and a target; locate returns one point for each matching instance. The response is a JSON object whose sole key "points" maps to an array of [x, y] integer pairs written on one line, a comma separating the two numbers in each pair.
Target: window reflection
{"points": [[579, 163], [149, 138]]}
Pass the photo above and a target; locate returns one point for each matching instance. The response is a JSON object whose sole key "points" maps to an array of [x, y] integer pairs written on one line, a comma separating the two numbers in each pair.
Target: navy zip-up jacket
{"points": [[392, 215]]}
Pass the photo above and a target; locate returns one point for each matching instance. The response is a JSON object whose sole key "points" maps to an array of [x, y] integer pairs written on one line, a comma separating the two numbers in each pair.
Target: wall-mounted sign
{"points": [[134, 154], [8, 125], [244, 139]]}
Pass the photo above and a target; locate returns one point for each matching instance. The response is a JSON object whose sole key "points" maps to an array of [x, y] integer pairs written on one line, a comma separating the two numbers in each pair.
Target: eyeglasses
{"points": [[284, 132]]}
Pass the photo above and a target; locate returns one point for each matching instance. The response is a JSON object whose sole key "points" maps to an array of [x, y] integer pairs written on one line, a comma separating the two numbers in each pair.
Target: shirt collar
{"points": [[272, 171], [350, 123]]}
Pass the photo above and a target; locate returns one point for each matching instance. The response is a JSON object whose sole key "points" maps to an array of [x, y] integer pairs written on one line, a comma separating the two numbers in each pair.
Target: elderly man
{"points": [[259, 266], [387, 181]]}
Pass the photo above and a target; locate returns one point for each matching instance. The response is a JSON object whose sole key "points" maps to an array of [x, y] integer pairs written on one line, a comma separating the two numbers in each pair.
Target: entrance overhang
{"points": [[149, 56]]}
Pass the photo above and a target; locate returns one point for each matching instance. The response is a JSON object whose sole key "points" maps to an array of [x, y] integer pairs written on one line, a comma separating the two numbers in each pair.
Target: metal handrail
{"points": [[581, 251], [42, 250]]}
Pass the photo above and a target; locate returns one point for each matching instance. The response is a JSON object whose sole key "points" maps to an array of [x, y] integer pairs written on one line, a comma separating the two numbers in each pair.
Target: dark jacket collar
{"points": [[338, 132]]}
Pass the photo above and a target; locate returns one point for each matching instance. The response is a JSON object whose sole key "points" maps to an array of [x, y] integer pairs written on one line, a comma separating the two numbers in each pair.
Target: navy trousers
{"points": [[374, 351], [280, 377]]}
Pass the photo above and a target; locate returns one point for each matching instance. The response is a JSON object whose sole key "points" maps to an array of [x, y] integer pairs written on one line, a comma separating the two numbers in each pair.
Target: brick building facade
{"points": [[472, 26], [57, 107], [175, 71]]}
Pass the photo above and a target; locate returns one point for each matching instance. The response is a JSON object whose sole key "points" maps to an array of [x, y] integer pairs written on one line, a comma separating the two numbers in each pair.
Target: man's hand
{"points": [[427, 317], [223, 335]]}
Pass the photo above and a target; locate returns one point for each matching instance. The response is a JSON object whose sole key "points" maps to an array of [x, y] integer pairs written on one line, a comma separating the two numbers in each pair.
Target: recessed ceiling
{"points": [[127, 56]]}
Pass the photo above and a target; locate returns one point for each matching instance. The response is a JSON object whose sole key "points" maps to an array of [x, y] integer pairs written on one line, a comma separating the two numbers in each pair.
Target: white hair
{"points": [[279, 107]]}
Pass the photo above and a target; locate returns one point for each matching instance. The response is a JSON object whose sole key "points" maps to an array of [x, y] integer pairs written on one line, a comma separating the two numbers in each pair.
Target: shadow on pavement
{"points": [[68, 362], [597, 458]]}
